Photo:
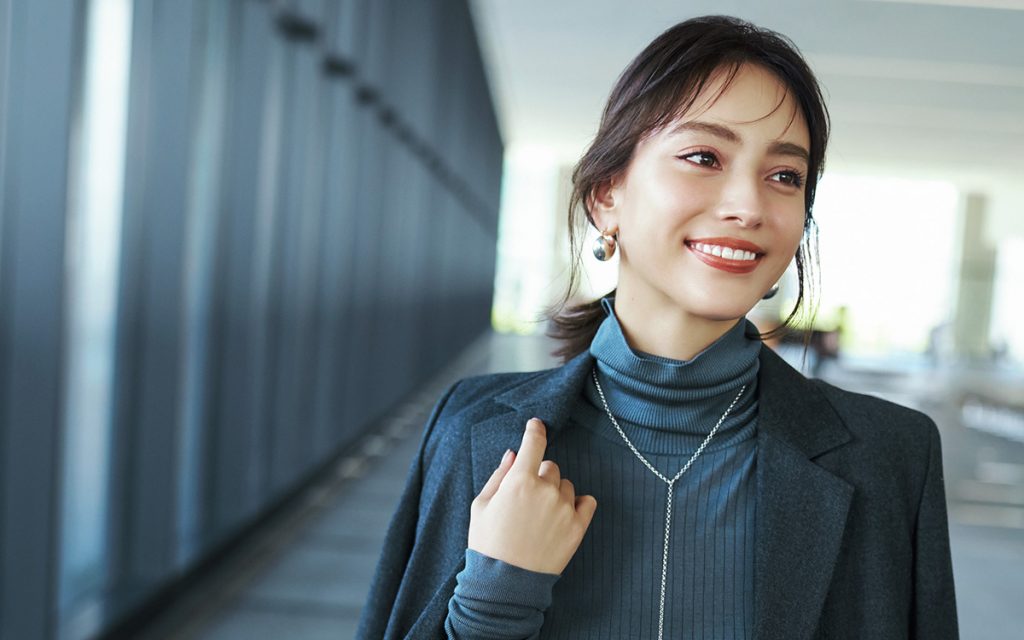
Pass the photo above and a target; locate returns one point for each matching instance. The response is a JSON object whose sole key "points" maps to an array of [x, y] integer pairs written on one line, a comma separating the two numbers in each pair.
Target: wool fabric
{"points": [[611, 586]]}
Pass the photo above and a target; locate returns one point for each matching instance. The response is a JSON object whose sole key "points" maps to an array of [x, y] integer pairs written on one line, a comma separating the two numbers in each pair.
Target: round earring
{"points": [[604, 246], [771, 292]]}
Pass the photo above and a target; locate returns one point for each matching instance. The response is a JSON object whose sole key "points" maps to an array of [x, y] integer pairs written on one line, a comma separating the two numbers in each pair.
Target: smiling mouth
{"points": [[727, 254]]}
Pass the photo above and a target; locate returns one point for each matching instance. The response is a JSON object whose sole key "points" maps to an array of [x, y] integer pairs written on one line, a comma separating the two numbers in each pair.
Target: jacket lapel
{"points": [[549, 396], [802, 508]]}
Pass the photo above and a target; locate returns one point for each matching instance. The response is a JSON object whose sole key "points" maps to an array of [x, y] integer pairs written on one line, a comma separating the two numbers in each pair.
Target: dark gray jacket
{"points": [[852, 539]]}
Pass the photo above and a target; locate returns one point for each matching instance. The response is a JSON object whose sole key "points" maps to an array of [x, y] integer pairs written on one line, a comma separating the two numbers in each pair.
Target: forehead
{"points": [[753, 100]]}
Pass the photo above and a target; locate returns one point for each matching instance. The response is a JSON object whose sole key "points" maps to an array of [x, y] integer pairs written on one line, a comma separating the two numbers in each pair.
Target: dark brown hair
{"points": [[658, 86]]}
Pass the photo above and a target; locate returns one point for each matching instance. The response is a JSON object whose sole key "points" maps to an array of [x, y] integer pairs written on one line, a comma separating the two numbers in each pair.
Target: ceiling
{"points": [[919, 84]]}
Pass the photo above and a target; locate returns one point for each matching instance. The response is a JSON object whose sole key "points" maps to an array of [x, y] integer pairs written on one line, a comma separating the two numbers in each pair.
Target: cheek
{"points": [[796, 235], [673, 193], [789, 234], [791, 228]]}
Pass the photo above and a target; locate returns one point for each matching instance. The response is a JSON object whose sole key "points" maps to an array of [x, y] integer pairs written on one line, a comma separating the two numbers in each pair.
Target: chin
{"points": [[725, 317], [719, 311], [722, 314]]}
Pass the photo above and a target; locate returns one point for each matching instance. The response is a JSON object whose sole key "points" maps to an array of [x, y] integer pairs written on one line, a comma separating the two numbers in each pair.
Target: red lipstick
{"points": [[727, 264]]}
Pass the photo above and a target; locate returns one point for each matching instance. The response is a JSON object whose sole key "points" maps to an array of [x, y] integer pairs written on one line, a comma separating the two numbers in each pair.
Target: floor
{"points": [[308, 576]]}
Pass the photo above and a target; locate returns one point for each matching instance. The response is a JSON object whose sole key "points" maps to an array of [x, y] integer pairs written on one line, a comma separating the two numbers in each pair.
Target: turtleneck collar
{"points": [[668, 405]]}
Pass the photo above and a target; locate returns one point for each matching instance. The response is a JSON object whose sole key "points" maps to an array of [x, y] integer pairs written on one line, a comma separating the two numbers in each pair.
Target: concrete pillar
{"points": [[975, 282]]}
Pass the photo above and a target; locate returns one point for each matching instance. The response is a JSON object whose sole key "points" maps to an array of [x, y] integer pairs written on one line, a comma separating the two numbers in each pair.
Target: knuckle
{"points": [[550, 493], [549, 466], [572, 519]]}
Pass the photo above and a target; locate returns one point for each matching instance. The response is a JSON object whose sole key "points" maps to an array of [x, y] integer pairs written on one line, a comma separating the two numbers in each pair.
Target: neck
{"points": [[669, 333]]}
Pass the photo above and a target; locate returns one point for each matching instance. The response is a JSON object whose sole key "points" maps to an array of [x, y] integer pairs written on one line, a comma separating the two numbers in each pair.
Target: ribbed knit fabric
{"points": [[611, 587]]}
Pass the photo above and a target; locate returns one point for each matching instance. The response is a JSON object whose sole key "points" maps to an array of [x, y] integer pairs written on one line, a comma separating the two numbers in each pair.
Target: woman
{"points": [[721, 493]]}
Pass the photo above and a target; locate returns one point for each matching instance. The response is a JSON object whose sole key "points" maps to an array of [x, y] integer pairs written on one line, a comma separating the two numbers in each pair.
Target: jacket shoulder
{"points": [[892, 443], [473, 396], [862, 411]]}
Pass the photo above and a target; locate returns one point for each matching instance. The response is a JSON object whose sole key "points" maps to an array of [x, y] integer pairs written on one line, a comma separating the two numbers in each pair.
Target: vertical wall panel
{"points": [[285, 298], [334, 384], [380, 355], [336, 244], [350, 42], [204, 228], [39, 67], [309, 231], [5, 43], [149, 372], [238, 447], [366, 363], [97, 157]]}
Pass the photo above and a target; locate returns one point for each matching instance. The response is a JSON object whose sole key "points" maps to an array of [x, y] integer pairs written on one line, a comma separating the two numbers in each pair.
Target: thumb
{"points": [[491, 487]]}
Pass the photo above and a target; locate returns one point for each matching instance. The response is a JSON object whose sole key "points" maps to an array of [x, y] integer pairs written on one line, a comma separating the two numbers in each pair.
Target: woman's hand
{"points": [[528, 515]]}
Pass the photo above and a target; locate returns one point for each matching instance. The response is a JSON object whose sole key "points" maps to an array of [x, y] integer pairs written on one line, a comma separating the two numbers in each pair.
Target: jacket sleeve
{"points": [[404, 586], [934, 605]]}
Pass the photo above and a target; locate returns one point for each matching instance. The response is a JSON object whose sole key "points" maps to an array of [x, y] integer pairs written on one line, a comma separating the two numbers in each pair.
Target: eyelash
{"points": [[796, 181]]}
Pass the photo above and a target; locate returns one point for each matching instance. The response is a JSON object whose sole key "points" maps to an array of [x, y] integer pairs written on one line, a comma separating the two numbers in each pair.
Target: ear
{"points": [[603, 206]]}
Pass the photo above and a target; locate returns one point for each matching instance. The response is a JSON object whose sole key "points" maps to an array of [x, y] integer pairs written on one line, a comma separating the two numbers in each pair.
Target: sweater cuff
{"points": [[494, 597], [498, 582]]}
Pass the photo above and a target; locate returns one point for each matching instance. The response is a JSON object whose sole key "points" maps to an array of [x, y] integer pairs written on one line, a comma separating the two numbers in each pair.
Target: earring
{"points": [[771, 292], [604, 246]]}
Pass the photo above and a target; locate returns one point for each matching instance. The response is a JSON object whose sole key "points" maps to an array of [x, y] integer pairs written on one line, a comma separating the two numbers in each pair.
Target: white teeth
{"points": [[724, 252]]}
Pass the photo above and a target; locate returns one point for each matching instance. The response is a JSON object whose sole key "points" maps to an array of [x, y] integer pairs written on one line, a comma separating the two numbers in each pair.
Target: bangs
{"points": [[679, 101]]}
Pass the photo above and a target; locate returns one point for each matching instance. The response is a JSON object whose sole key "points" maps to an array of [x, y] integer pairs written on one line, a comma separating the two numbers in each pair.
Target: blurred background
{"points": [[245, 244]]}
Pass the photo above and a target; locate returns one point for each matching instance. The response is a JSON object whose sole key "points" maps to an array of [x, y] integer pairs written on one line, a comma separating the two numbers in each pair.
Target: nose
{"points": [[741, 202]]}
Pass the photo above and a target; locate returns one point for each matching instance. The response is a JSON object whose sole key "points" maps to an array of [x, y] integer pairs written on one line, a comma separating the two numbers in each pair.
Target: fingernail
{"points": [[535, 422], [507, 456]]}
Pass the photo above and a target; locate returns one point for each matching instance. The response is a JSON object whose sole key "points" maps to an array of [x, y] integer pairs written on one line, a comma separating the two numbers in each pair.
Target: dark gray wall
{"points": [[308, 232]]}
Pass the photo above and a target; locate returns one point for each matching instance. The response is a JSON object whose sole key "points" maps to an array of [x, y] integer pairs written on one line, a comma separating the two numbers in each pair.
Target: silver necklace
{"points": [[671, 485]]}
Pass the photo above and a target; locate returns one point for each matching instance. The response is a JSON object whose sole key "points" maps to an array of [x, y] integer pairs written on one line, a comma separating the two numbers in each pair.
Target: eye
{"points": [[791, 178], [701, 158]]}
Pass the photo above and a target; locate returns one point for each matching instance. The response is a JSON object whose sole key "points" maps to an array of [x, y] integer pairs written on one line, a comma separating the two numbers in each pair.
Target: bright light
{"points": [[527, 264], [887, 255], [93, 256]]}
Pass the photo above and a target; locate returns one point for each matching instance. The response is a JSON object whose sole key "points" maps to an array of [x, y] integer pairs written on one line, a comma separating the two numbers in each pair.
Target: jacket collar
{"points": [[552, 393], [802, 507], [784, 394]]}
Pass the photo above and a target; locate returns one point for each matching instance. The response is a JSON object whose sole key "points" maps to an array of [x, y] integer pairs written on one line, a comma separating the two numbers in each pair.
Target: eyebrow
{"points": [[776, 148]]}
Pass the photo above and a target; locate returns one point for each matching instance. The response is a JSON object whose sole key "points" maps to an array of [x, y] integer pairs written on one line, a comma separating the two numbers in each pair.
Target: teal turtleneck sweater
{"points": [[611, 586]]}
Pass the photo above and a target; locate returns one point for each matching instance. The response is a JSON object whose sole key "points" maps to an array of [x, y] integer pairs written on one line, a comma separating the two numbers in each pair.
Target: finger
{"points": [[492, 484], [585, 508], [568, 491], [531, 451], [549, 471]]}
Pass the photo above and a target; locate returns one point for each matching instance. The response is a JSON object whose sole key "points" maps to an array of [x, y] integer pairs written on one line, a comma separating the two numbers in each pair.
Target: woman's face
{"points": [[710, 211]]}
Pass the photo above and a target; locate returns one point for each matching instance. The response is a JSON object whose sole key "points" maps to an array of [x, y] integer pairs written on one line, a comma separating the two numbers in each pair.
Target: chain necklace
{"points": [[671, 485]]}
